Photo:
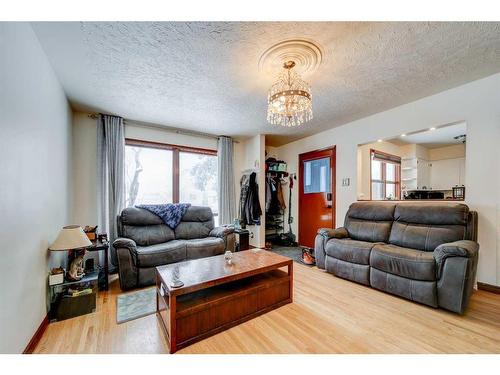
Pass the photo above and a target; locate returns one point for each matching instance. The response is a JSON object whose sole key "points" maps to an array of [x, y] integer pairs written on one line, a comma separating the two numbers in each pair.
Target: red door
{"points": [[316, 194]]}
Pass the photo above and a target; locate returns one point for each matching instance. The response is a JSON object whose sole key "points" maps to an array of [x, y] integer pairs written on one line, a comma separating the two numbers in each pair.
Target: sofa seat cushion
{"points": [[349, 250], [163, 253], [204, 247], [404, 262]]}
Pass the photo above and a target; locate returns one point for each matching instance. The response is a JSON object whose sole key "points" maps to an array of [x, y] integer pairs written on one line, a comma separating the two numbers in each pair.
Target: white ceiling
{"points": [[204, 76], [439, 137]]}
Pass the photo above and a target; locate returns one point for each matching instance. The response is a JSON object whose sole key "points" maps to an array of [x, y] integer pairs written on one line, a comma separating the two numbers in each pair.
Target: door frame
{"points": [[333, 165]]}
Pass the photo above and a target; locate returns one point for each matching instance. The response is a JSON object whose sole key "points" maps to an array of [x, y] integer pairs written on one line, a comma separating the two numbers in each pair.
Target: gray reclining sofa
{"points": [[146, 242], [425, 252]]}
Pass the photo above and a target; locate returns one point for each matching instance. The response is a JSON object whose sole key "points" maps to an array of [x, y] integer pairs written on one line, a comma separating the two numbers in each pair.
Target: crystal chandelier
{"points": [[289, 102]]}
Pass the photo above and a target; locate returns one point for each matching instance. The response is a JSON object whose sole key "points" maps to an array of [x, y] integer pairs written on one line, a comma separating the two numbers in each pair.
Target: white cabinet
{"points": [[423, 174], [446, 173], [409, 173], [415, 173]]}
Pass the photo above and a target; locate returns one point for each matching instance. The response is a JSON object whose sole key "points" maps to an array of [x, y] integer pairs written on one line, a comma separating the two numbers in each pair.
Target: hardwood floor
{"points": [[329, 315]]}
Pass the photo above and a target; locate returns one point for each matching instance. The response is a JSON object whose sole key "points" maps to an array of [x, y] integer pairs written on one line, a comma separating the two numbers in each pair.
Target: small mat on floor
{"points": [[130, 306]]}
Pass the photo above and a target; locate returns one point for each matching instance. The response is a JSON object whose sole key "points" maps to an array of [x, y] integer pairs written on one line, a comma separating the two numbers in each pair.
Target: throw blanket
{"points": [[170, 213]]}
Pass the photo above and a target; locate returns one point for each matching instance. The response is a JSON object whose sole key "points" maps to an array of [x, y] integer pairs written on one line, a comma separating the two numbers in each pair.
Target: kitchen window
{"points": [[385, 176], [157, 173]]}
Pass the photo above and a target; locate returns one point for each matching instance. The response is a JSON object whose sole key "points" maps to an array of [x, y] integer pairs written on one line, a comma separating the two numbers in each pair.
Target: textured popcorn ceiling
{"points": [[205, 77]]}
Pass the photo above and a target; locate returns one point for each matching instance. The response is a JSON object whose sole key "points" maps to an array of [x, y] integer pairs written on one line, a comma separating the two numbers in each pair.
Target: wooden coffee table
{"points": [[216, 296]]}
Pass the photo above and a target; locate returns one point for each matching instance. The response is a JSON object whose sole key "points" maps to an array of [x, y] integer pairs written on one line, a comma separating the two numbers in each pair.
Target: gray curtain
{"points": [[225, 186], [111, 175]]}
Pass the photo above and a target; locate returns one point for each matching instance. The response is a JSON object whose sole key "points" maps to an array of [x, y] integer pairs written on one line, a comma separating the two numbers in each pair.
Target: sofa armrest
{"points": [[456, 273], [463, 248], [126, 253], [333, 233], [322, 237], [125, 243], [221, 232]]}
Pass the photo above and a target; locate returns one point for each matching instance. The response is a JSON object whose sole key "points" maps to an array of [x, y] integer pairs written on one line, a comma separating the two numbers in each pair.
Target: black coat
{"points": [[250, 203]]}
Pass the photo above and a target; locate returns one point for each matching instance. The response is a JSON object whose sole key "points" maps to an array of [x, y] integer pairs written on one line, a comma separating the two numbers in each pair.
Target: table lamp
{"points": [[72, 238]]}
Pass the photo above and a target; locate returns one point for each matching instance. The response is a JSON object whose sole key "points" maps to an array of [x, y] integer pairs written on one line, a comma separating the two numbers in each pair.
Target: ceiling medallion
{"points": [[289, 102], [306, 54]]}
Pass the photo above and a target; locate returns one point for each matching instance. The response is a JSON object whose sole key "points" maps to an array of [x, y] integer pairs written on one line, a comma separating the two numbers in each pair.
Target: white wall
{"points": [[250, 154], [477, 104], [448, 152], [35, 188], [84, 140], [156, 134]]}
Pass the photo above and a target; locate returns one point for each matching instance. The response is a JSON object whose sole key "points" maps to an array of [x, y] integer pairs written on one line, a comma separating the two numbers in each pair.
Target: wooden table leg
{"points": [[157, 292], [173, 326], [290, 273]]}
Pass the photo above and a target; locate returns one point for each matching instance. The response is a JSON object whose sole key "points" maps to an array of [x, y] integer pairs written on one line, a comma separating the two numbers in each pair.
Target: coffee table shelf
{"points": [[206, 305]]}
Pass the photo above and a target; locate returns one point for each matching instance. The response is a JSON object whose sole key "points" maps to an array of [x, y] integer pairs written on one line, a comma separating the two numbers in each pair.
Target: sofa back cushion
{"points": [[370, 221], [197, 222], [143, 226], [426, 226]]}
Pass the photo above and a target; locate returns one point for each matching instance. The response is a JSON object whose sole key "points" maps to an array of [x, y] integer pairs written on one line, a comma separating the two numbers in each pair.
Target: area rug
{"points": [[293, 252], [135, 305]]}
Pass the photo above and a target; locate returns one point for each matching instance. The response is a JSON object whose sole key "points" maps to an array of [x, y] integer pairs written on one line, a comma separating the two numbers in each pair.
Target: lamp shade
{"points": [[69, 238]]}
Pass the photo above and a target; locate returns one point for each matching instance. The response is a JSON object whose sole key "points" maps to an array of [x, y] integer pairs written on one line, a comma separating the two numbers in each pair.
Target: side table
{"points": [[242, 239], [102, 246], [73, 298]]}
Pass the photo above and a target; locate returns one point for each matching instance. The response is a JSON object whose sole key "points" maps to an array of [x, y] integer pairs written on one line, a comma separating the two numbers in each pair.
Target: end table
{"points": [[102, 246], [242, 239]]}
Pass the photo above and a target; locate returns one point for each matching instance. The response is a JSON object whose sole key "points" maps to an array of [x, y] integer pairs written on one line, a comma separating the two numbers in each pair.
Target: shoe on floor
{"points": [[307, 258]]}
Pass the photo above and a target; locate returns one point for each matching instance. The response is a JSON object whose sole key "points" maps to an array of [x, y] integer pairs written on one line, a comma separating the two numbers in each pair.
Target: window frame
{"points": [[176, 149], [383, 180]]}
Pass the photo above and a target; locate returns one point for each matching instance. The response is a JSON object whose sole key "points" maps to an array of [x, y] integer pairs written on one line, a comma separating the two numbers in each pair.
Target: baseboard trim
{"points": [[488, 287], [30, 348]]}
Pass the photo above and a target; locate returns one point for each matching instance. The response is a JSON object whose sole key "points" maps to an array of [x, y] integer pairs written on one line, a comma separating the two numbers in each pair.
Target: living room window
{"points": [[158, 173], [385, 175]]}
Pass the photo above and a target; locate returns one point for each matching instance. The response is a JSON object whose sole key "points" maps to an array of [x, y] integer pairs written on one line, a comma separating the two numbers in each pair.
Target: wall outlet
{"points": [[346, 181]]}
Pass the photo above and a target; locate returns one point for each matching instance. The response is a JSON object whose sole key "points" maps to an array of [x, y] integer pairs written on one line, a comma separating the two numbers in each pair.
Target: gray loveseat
{"points": [[146, 242], [425, 252]]}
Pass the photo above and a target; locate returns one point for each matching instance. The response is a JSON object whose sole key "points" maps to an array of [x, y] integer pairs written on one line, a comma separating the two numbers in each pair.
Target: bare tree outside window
{"points": [[133, 186], [203, 175]]}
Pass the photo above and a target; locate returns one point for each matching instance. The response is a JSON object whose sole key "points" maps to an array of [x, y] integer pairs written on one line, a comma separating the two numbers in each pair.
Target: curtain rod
{"points": [[94, 116]]}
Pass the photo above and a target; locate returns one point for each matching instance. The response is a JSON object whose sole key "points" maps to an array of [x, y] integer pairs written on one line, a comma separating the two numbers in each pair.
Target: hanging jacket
{"points": [[243, 197], [280, 196], [251, 207]]}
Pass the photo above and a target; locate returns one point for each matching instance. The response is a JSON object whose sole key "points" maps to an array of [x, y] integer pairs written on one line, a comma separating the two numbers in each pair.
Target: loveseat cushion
{"points": [[204, 247], [159, 254], [370, 221], [143, 226], [424, 227], [432, 214], [349, 250], [139, 216], [146, 235], [197, 222], [404, 262]]}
